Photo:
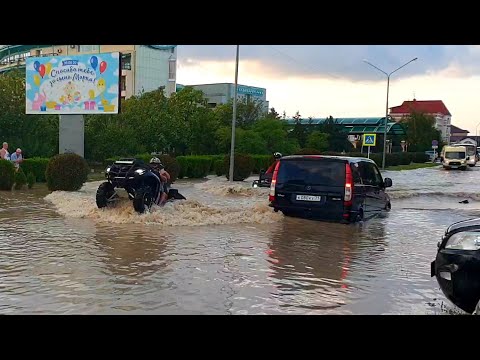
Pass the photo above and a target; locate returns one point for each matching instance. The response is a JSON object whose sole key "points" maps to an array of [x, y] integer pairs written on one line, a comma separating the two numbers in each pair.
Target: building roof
{"points": [[359, 125], [423, 106], [454, 129]]}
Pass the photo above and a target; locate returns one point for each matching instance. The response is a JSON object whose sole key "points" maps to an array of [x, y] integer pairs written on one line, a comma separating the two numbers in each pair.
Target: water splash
{"points": [[191, 212]]}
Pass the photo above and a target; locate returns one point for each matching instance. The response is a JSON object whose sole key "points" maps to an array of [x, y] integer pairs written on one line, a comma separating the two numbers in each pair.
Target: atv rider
{"points": [[164, 176], [277, 156]]}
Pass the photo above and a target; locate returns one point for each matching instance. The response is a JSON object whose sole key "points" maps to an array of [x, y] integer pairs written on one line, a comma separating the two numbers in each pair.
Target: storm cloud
{"points": [[342, 61]]}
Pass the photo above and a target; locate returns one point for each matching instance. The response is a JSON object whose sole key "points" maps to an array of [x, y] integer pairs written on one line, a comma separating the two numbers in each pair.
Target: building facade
{"points": [[222, 93], [435, 108], [457, 134], [143, 67]]}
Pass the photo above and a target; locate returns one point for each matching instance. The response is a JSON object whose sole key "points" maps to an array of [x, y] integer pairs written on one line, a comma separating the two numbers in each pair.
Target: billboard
{"points": [[76, 84]]}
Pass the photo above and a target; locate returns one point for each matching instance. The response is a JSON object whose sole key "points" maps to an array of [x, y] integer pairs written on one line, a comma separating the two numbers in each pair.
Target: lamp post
{"points": [[234, 119], [476, 133], [386, 110]]}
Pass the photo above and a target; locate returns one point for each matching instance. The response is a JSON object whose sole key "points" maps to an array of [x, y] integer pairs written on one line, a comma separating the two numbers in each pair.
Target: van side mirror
{"points": [[468, 157], [387, 182]]}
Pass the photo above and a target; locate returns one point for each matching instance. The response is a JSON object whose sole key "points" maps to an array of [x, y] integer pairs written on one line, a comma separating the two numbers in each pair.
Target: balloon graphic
{"points": [[41, 70], [91, 94], [103, 67], [48, 68], [36, 79], [94, 62], [36, 65]]}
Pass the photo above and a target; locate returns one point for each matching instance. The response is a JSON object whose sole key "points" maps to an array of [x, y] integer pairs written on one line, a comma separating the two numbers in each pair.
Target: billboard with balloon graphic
{"points": [[77, 84]]}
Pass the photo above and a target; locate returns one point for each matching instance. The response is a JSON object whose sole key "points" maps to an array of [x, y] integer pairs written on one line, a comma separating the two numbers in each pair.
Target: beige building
{"points": [[143, 67]]}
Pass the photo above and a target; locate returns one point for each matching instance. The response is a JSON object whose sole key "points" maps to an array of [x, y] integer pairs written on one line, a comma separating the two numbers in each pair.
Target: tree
{"points": [[37, 135], [248, 111], [299, 132], [272, 114], [275, 134], [337, 138], [318, 141], [420, 131]]}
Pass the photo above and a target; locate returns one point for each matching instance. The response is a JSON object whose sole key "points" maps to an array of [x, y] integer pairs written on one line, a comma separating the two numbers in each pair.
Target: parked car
{"points": [[337, 188], [457, 265], [433, 155]]}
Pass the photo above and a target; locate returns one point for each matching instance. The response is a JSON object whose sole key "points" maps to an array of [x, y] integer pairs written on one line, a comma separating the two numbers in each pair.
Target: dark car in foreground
{"points": [[457, 264], [334, 188]]}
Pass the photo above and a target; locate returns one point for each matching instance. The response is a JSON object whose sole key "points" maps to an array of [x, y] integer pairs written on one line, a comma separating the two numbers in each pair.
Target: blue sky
{"points": [[322, 80]]}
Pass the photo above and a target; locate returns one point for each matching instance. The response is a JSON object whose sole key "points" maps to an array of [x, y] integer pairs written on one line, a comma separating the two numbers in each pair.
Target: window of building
{"points": [[172, 69], [89, 48], [123, 83], [126, 61]]}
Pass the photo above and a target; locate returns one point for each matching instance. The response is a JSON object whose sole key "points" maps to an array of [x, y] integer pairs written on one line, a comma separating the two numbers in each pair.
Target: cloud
{"points": [[113, 89], [54, 61], [28, 86], [115, 72], [340, 61], [115, 55]]}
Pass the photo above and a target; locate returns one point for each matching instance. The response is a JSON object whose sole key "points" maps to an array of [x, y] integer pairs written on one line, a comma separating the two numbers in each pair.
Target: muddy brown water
{"points": [[224, 251]]}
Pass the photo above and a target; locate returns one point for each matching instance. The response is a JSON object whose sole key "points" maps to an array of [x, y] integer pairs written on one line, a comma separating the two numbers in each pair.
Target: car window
{"points": [[378, 176], [357, 179], [370, 174]]}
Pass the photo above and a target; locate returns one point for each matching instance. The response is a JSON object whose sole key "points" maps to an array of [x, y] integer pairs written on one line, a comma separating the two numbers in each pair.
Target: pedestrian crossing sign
{"points": [[369, 139]]}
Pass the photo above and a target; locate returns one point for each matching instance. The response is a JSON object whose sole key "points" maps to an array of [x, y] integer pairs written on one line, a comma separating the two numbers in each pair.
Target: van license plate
{"points": [[309, 198]]}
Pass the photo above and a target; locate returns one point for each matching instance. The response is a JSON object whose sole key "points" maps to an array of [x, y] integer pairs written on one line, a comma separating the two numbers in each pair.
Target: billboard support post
{"points": [[71, 134]]}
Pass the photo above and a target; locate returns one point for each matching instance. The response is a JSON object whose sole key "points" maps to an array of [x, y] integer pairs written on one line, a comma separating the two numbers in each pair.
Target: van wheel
{"points": [[463, 168], [287, 213], [388, 207]]}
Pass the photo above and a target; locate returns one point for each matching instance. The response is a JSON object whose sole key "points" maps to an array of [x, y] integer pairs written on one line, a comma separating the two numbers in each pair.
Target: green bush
{"points": [[214, 159], [405, 159], [31, 180], [7, 175], [194, 167], [307, 151], [242, 166], [261, 162], [219, 167], [37, 166], [66, 172], [20, 179], [419, 157]]}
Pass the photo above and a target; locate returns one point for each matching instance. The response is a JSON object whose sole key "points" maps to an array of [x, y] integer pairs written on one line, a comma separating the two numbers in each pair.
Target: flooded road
{"points": [[224, 251]]}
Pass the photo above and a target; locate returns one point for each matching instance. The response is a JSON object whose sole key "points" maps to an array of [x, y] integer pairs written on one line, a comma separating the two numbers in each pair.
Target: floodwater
{"points": [[224, 251]]}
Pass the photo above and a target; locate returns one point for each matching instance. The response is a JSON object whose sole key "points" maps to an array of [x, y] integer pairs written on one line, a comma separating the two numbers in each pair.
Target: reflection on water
{"points": [[224, 251]]}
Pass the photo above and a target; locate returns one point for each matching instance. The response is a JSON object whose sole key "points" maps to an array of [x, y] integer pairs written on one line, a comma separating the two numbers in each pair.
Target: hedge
{"points": [[7, 175], [242, 166], [194, 167], [36, 166]]}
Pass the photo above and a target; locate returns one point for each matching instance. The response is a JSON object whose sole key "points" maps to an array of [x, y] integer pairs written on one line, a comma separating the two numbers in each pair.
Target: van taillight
{"points": [[271, 196], [348, 185]]}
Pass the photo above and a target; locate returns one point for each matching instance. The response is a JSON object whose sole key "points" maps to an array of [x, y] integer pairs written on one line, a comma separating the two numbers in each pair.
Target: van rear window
{"points": [[312, 172]]}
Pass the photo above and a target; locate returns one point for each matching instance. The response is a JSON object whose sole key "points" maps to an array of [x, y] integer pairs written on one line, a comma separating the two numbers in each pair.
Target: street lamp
{"points": [[476, 133], [234, 119], [386, 111]]}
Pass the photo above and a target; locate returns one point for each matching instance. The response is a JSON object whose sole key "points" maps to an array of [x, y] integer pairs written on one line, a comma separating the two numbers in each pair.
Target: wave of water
{"points": [[199, 208]]}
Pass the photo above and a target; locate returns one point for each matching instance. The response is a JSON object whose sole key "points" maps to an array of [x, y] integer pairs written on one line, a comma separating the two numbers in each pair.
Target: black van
{"points": [[329, 187]]}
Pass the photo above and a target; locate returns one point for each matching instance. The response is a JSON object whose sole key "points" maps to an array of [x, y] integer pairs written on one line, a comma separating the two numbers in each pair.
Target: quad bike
{"points": [[139, 180]]}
